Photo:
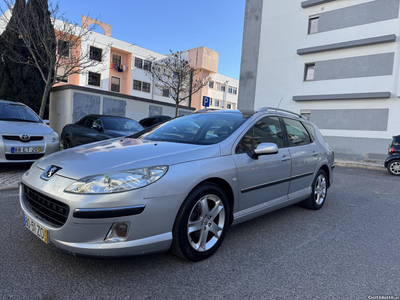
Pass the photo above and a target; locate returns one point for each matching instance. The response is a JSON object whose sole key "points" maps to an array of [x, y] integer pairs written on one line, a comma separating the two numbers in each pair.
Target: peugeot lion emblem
{"points": [[25, 137], [49, 172]]}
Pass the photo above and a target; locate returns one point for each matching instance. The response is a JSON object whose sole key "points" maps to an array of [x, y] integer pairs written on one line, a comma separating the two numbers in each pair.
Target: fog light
{"points": [[118, 232]]}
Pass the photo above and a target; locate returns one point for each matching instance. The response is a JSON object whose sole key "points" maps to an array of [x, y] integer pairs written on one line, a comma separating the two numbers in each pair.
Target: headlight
{"points": [[54, 137], [117, 181]]}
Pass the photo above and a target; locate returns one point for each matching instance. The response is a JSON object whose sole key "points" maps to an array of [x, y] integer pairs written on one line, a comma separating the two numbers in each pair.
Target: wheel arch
{"points": [[328, 174], [225, 186]]}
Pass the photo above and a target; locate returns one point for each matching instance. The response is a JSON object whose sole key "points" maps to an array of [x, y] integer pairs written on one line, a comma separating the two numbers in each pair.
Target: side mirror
{"points": [[263, 149], [97, 127]]}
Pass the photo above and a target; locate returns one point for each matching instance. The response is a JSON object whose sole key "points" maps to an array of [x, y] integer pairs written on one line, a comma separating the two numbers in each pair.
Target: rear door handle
{"points": [[285, 158], [315, 153]]}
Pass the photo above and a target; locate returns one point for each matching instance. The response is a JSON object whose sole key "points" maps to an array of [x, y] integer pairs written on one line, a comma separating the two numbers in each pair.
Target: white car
{"points": [[24, 137]]}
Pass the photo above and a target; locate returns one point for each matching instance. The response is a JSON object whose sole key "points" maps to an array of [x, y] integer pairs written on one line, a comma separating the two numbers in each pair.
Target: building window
{"points": [[165, 92], [146, 87], [95, 53], [229, 89], [60, 75], [221, 103], [94, 79], [223, 88], [309, 72], [116, 59], [115, 84], [63, 48], [233, 106], [228, 106], [218, 86], [313, 24], [137, 85], [176, 75], [147, 65], [138, 63], [216, 103], [210, 101], [211, 84], [234, 91]]}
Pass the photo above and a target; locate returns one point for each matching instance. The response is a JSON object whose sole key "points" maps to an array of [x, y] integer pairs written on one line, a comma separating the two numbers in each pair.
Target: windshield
{"points": [[17, 112], [121, 124], [202, 129]]}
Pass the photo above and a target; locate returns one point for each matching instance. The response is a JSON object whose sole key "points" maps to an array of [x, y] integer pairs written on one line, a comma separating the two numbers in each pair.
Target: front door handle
{"points": [[82, 131], [285, 158], [315, 153]]}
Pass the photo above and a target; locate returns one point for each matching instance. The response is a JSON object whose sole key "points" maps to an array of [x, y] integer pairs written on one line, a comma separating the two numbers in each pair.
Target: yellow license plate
{"points": [[36, 228]]}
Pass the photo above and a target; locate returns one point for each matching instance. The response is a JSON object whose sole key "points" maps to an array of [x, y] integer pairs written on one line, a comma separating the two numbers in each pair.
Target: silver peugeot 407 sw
{"points": [[177, 186]]}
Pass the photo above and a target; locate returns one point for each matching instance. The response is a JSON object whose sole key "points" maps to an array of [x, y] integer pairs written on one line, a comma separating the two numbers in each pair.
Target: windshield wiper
{"points": [[18, 120]]}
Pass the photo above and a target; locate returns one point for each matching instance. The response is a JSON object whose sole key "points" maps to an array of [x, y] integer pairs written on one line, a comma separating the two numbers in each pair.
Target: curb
{"points": [[360, 166]]}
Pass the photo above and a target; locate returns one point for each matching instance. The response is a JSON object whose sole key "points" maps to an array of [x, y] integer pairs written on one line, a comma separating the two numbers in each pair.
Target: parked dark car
{"points": [[153, 120], [392, 163], [94, 128]]}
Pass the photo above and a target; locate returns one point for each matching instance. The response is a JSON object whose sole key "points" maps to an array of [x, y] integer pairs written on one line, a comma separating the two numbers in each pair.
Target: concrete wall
{"points": [[63, 106]]}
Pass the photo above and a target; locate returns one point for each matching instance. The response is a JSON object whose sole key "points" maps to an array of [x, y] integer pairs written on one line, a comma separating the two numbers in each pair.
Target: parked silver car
{"points": [[176, 187], [24, 137]]}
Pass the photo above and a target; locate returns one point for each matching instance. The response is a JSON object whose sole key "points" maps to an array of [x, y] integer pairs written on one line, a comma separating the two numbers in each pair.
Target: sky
{"points": [[161, 25]]}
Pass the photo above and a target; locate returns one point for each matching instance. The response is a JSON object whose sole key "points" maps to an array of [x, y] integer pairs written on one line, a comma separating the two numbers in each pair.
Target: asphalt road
{"points": [[350, 249]]}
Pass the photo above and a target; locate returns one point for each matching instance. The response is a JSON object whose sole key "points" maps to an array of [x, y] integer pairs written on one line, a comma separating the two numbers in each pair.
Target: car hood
{"points": [[19, 128], [123, 154]]}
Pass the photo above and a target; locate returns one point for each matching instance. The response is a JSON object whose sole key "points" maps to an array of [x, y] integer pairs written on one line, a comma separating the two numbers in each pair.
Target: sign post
{"points": [[206, 101]]}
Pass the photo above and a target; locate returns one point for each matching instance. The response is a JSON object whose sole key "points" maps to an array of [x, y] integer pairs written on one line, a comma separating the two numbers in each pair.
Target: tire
{"points": [[201, 223], [394, 167], [319, 192], [67, 142]]}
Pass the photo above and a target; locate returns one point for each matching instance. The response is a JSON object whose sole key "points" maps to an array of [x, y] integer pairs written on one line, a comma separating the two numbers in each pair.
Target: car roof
{"points": [[11, 102], [105, 116]]}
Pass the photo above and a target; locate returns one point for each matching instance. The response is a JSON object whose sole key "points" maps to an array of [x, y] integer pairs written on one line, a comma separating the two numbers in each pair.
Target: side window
{"points": [[297, 134], [310, 129], [89, 122], [81, 122], [96, 122], [266, 130]]}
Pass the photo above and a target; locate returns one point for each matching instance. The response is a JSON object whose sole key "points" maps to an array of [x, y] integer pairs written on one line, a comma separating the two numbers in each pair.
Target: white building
{"points": [[335, 62]]}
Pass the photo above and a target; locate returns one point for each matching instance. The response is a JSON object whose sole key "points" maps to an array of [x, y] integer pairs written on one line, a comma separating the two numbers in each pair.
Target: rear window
{"points": [[202, 129]]}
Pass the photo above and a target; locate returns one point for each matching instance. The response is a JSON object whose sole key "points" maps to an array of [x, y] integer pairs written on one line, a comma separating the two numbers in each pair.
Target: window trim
{"points": [[134, 62], [89, 78], [287, 134], [143, 82], [101, 56], [163, 90], [119, 86], [306, 66], [58, 49], [133, 85], [310, 19], [112, 58]]}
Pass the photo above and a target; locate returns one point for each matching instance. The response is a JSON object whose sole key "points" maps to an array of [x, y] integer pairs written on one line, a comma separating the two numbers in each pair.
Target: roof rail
{"points": [[279, 109]]}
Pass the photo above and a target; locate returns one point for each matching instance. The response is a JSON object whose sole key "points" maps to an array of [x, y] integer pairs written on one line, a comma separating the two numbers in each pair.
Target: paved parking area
{"points": [[11, 174]]}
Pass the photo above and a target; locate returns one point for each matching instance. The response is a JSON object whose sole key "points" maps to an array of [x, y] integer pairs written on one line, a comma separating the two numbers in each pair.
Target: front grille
{"points": [[24, 156], [53, 211], [18, 138]]}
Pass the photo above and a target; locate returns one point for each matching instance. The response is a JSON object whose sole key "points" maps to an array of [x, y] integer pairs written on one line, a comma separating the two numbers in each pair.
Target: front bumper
{"points": [[9, 155], [91, 217]]}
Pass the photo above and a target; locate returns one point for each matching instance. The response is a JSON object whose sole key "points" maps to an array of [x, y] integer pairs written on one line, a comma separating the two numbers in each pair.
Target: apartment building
{"points": [[335, 62], [120, 84]]}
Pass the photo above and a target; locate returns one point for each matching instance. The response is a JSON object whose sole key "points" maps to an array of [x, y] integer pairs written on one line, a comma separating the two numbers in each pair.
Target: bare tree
{"points": [[54, 49], [175, 76]]}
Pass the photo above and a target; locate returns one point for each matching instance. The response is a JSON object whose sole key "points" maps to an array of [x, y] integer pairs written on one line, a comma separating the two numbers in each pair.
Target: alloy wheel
{"points": [[395, 167], [320, 189], [206, 223]]}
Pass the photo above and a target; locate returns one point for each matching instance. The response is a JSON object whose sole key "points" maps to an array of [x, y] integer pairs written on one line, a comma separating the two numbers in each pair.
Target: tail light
{"points": [[391, 150]]}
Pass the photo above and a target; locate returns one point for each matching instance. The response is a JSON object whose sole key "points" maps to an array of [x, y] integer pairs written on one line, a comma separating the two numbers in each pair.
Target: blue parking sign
{"points": [[206, 101]]}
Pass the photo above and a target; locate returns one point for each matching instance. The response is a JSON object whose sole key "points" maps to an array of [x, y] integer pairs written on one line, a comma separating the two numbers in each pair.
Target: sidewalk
{"points": [[10, 175]]}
